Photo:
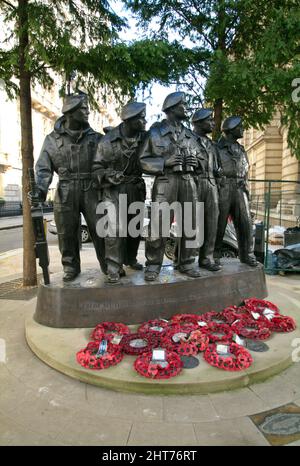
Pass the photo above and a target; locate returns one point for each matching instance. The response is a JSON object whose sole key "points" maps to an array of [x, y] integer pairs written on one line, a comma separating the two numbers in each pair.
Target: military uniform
{"points": [[208, 194], [163, 141], [233, 197], [116, 164], [70, 155]]}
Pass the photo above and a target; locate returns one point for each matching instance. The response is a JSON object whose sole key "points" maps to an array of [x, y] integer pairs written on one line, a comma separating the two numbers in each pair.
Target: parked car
{"points": [[85, 235], [229, 245]]}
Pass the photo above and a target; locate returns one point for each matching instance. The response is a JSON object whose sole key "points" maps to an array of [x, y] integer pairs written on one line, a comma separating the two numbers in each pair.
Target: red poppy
{"points": [[108, 330], [89, 359], [238, 358], [137, 343], [255, 330], [146, 368]]}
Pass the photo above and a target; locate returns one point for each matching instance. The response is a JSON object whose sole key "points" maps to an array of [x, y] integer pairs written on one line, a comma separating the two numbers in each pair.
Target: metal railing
{"points": [[277, 204]]}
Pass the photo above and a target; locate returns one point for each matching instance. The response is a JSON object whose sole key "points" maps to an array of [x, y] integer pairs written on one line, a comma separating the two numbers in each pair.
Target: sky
{"points": [[158, 93]]}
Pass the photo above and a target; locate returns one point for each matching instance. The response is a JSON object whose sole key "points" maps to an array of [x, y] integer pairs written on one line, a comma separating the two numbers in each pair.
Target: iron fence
{"points": [[276, 204]]}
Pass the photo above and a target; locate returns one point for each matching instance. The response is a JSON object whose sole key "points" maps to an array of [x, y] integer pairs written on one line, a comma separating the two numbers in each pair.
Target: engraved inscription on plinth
{"points": [[89, 300]]}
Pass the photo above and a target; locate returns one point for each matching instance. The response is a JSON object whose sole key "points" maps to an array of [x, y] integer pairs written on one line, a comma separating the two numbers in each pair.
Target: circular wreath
{"points": [[88, 358], [219, 332], [186, 318], [255, 330], [186, 348], [200, 339], [108, 330], [238, 359], [145, 368], [189, 342], [176, 335], [214, 317], [282, 324], [157, 327], [233, 313], [127, 343], [260, 305]]}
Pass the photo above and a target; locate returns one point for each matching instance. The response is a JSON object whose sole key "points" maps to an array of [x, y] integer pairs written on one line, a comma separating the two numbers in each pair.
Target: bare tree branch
{"points": [[9, 4]]}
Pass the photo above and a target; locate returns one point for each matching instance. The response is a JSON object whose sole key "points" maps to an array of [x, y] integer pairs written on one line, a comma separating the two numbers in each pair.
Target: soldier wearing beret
{"points": [[170, 153], [203, 124], [69, 151], [117, 167], [233, 195]]}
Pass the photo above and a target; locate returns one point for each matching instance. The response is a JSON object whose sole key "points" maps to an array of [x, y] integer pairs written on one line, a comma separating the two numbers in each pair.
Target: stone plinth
{"points": [[89, 300]]}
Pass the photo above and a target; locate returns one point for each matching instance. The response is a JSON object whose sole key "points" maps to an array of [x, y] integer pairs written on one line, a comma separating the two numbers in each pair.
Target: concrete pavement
{"points": [[40, 406]]}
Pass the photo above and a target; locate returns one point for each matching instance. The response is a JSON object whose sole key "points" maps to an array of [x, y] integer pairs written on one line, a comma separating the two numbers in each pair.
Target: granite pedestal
{"points": [[89, 300]]}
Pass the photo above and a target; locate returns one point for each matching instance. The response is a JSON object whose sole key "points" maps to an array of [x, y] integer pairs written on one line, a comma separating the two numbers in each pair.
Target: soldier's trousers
{"points": [[233, 201], [168, 189], [208, 194], [73, 197], [123, 250]]}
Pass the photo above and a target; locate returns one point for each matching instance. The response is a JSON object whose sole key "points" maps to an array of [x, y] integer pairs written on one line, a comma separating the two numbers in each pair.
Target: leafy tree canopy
{"points": [[70, 35], [248, 54]]}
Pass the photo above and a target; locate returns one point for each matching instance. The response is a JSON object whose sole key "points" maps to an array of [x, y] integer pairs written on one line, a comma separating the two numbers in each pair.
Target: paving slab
{"points": [[162, 433], [93, 430], [12, 434], [189, 409], [233, 432], [277, 391], [137, 408], [237, 403]]}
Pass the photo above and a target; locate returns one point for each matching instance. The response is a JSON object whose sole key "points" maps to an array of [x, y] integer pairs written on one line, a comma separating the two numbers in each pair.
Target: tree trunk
{"points": [[221, 46], [29, 260], [218, 110]]}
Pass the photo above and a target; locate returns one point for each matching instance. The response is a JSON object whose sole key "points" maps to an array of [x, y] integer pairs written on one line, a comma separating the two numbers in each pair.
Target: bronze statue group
{"points": [[187, 167]]}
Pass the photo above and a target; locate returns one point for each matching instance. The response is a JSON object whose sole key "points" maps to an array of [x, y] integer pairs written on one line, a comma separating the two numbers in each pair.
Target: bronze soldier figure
{"points": [[203, 124], [234, 194], [170, 153], [117, 167], [69, 151]]}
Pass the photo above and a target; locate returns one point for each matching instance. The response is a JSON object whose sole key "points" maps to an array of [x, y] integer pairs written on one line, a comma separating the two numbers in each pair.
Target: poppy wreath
{"points": [[88, 358], [233, 313], [145, 368], [200, 339], [214, 317], [108, 330], [282, 324], [215, 330], [186, 348], [185, 319], [168, 342], [157, 327], [259, 305], [253, 329], [150, 339], [240, 360]]}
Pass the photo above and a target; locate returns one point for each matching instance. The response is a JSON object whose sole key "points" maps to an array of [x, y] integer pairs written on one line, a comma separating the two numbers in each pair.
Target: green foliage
{"points": [[83, 35], [249, 54], [60, 35]]}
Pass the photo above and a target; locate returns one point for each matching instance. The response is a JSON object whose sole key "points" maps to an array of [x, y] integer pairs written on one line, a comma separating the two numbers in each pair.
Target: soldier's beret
{"points": [[132, 109], [173, 99], [231, 123], [73, 101], [202, 114]]}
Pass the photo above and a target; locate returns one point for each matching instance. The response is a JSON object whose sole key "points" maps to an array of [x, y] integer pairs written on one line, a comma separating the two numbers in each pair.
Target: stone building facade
{"points": [[46, 108], [271, 160]]}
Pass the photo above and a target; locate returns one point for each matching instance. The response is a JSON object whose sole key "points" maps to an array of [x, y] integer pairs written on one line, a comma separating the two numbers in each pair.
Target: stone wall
{"points": [[271, 159]]}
